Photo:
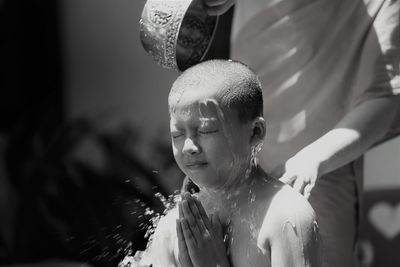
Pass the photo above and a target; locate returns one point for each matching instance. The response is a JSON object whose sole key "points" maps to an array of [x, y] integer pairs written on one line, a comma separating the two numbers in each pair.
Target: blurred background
{"points": [[85, 157]]}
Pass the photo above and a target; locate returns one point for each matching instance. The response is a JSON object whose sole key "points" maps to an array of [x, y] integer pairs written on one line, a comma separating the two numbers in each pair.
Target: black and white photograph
{"points": [[199, 133]]}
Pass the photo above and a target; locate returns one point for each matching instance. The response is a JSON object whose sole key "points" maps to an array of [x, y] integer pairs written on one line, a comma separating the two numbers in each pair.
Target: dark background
{"points": [[71, 191]]}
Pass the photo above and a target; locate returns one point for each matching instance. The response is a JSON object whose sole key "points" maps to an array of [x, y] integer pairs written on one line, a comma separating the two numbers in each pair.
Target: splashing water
{"points": [[169, 203], [112, 237]]}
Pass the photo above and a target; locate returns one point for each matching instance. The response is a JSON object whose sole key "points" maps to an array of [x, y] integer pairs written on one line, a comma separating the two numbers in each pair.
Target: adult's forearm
{"points": [[365, 125]]}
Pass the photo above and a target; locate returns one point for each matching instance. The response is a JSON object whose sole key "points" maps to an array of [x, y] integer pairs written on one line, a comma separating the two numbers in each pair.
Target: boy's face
{"points": [[210, 145]]}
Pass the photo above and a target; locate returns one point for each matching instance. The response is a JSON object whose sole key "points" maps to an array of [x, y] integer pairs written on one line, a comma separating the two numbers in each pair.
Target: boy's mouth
{"points": [[196, 165]]}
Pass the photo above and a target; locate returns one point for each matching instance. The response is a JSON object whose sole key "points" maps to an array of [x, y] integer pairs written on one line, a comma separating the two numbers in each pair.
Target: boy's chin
{"points": [[205, 183], [199, 180]]}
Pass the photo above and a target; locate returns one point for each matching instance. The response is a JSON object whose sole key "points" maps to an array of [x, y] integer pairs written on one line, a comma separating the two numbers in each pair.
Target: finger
{"points": [[219, 9], [180, 211], [188, 215], [214, 2], [186, 184], [183, 254], [188, 235], [196, 213], [307, 190], [203, 214], [288, 178], [181, 238], [299, 185]]}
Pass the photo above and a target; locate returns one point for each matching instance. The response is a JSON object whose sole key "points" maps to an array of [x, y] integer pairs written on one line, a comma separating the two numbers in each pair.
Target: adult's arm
{"points": [[356, 132]]}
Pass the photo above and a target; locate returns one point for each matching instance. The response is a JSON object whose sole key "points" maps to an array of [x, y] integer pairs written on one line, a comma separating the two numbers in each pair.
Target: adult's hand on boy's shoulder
{"points": [[200, 240], [301, 172]]}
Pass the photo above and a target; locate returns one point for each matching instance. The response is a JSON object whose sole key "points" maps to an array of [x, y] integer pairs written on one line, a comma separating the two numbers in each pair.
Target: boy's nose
{"points": [[190, 147]]}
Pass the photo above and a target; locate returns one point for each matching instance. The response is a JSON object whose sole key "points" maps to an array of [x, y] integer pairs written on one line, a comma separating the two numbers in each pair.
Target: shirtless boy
{"points": [[241, 216]]}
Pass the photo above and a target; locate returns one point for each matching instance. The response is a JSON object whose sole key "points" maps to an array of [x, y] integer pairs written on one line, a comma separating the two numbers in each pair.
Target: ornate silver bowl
{"points": [[176, 33]]}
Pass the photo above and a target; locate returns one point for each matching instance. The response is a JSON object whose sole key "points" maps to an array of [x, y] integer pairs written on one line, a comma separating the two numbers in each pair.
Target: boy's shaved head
{"points": [[233, 84]]}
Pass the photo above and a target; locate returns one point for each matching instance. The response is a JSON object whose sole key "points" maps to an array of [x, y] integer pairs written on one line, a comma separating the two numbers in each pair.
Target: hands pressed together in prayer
{"points": [[200, 239]]}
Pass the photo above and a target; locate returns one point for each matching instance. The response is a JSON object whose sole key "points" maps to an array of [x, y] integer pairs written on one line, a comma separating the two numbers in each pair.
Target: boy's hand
{"points": [[218, 7], [183, 255], [200, 240], [302, 173]]}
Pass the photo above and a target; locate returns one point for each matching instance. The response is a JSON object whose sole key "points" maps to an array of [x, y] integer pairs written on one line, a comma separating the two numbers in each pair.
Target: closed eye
{"points": [[208, 132], [176, 135]]}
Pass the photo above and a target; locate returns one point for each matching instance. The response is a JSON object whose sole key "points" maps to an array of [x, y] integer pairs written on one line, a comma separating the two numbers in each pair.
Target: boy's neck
{"points": [[236, 190]]}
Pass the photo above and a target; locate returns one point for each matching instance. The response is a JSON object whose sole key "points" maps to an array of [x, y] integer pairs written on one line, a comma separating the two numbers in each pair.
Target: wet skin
{"points": [[265, 222], [210, 146]]}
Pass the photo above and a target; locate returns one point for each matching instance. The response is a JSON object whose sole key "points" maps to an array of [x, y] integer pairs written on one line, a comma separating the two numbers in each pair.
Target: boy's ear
{"points": [[258, 130]]}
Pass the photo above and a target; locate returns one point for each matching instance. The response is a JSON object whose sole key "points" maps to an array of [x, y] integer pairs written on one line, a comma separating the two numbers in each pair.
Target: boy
{"points": [[217, 129]]}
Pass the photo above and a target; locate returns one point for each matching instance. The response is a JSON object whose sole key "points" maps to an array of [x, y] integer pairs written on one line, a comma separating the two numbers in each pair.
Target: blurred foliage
{"points": [[84, 193]]}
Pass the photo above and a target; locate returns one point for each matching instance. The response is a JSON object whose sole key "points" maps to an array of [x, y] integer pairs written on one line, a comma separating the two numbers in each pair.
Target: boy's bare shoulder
{"points": [[285, 207], [283, 202], [289, 204]]}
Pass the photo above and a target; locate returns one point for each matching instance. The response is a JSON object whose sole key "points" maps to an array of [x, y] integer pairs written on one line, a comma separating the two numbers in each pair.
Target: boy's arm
{"points": [[162, 250], [292, 237]]}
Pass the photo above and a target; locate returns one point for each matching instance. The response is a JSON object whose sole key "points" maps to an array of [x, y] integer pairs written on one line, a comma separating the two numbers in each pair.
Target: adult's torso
{"points": [[316, 60]]}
